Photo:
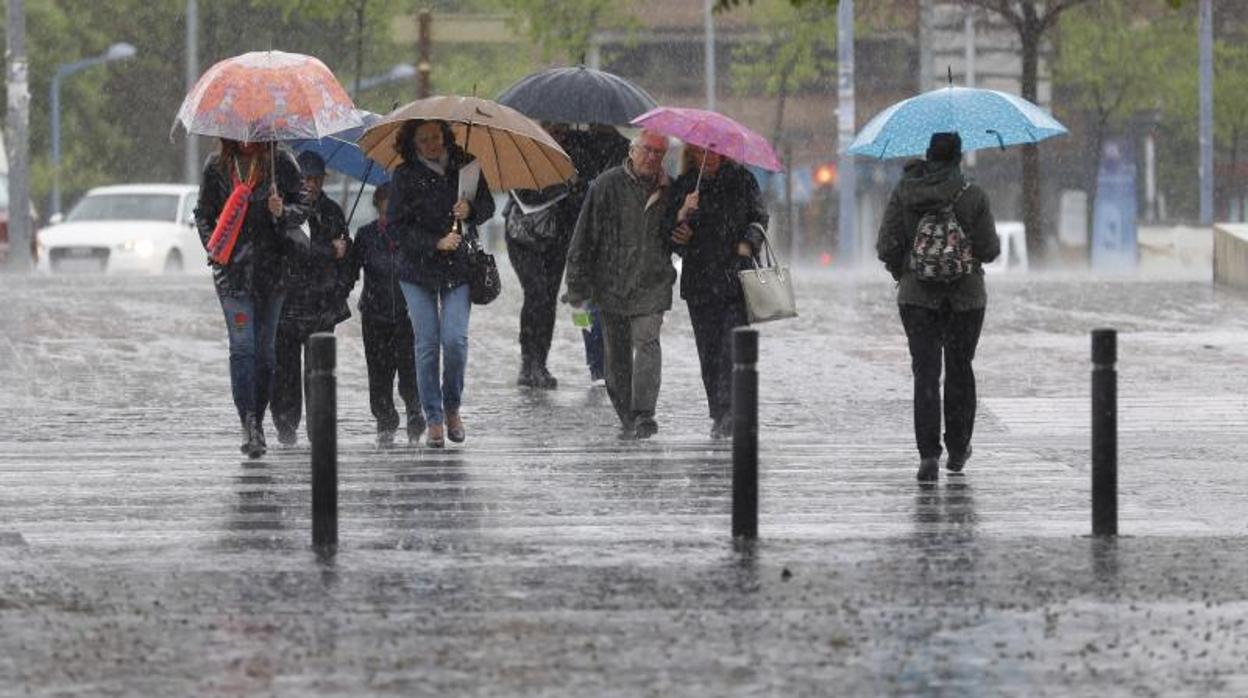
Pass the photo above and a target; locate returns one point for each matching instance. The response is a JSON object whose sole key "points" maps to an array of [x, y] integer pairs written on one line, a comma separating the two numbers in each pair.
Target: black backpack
{"points": [[941, 250]]}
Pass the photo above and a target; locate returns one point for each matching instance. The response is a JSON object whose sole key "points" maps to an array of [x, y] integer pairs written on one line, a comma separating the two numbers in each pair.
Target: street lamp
{"points": [[400, 72], [116, 52]]}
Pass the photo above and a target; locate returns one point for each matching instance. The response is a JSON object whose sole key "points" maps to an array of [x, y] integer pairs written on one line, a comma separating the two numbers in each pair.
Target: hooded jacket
{"points": [[420, 215], [317, 284], [620, 258], [376, 252], [729, 203], [926, 186], [256, 265]]}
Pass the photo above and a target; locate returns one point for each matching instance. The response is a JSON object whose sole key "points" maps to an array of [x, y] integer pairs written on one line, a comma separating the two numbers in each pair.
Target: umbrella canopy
{"points": [[983, 118], [714, 132], [514, 152], [343, 154], [267, 96], [577, 95]]}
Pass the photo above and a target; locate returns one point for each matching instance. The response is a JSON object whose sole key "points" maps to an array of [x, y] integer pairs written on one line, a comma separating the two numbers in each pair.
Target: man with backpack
{"points": [[937, 233]]}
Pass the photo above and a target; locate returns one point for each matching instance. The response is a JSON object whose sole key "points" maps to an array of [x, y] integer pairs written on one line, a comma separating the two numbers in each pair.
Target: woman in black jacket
{"points": [[249, 286], [718, 226], [434, 226], [389, 345]]}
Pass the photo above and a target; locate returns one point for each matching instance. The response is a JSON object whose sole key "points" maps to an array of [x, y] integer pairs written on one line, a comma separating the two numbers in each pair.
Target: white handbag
{"points": [[768, 289]]}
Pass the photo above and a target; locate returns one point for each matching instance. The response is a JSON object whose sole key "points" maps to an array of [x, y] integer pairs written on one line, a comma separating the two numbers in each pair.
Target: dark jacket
{"points": [[420, 215], [620, 257], [926, 186], [376, 253], [256, 265], [728, 204], [317, 284]]}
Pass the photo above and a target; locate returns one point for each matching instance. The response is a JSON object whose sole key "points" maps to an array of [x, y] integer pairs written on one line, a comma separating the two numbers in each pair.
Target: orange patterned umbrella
{"points": [[267, 96]]}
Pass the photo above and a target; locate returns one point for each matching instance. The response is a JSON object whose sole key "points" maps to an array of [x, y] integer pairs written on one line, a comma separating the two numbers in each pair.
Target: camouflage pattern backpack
{"points": [[941, 249]]}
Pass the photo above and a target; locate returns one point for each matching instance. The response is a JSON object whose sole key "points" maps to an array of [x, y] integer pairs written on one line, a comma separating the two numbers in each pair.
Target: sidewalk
{"points": [[140, 555]]}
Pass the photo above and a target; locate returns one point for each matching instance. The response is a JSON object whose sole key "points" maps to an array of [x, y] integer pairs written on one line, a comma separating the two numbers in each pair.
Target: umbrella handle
{"points": [[367, 171], [701, 168]]}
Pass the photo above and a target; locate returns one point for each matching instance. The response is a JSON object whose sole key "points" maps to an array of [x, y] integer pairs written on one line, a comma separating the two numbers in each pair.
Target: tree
{"points": [[1031, 19], [564, 28], [1109, 59]]}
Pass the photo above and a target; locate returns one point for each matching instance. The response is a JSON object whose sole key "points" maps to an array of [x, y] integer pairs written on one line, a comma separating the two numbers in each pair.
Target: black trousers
{"points": [[713, 323], [390, 348], [287, 404], [953, 335], [540, 270]]}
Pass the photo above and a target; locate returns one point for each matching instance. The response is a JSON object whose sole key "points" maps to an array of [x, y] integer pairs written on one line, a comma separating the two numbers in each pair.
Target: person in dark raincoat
{"points": [[941, 319], [251, 286], [389, 345], [718, 227], [428, 216], [620, 259], [316, 300]]}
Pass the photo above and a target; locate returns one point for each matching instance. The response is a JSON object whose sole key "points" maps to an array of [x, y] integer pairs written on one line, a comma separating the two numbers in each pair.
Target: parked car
{"points": [[130, 228]]}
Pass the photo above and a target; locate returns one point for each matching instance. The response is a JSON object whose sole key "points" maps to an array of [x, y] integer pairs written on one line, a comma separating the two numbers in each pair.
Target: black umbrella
{"points": [[577, 95]]}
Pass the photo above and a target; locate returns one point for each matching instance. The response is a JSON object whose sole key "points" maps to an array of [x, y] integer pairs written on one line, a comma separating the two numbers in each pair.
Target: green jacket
{"points": [[923, 187], [620, 257]]}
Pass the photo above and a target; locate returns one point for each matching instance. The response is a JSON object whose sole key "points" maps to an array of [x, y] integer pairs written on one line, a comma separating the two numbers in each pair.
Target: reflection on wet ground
{"points": [[140, 556]]}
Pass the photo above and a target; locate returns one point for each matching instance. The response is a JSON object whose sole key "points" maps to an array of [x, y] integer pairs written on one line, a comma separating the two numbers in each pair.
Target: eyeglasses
{"points": [[653, 152]]}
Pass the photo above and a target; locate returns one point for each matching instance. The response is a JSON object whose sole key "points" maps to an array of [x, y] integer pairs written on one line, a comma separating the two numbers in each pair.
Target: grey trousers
{"points": [[634, 364]]}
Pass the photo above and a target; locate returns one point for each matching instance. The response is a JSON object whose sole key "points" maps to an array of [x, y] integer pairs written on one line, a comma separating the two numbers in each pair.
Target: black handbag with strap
{"points": [[484, 284]]}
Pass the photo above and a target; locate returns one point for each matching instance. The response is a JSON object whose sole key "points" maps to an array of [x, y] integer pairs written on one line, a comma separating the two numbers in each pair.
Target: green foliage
{"points": [[563, 28], [798, 50], [728, 5]]}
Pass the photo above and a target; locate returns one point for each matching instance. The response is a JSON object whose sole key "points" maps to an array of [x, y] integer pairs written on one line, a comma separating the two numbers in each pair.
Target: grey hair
{"points": [[640, 139]]}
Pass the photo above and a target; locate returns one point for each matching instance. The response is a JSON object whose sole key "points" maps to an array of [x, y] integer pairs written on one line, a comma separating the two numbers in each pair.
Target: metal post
{"points": [[1104, 433], [1206, 112], [55, 103], [745, 433], [424, 65], [926, 69], [191, 164], [323, 433], [847, 224], [17, 127], [708, 13]]}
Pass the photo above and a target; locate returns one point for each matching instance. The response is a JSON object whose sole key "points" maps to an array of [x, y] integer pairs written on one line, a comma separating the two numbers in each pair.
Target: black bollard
{"points": [[744, 433], [323, 432], [1104, 433]]}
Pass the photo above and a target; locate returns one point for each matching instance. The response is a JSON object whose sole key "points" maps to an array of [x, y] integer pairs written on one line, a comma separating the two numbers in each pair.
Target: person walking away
{"points": [[431, 224], [250, 286], [316, 299], [719, 226], [389, 345], [937, 233], [620, 259]]}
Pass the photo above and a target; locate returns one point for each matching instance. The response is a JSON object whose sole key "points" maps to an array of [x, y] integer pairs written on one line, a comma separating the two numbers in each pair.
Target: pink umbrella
{"points": [[714, 132]]}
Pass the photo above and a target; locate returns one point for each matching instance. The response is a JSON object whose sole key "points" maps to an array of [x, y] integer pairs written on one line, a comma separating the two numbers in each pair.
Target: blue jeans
{"points": [[251, 321], [441, 337]]}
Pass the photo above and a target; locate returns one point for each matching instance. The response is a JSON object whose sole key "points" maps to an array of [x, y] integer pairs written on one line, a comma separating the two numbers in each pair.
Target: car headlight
{"points": [[143, 248]]}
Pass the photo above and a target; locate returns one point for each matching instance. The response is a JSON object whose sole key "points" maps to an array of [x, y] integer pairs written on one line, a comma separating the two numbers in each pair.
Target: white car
{"points": [[129, 228]]}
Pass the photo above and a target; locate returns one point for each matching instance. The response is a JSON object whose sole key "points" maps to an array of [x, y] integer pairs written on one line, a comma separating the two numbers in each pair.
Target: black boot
{"points": [[525, 377], [542, 378], [246, 422], [254, 447]]}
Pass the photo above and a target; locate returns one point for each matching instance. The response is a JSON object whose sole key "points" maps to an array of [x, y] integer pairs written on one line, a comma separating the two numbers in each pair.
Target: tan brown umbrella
{"points": [[514, 151]]}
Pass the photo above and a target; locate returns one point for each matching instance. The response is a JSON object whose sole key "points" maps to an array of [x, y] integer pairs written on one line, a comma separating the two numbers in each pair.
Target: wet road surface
{"points": [[140, 555]]}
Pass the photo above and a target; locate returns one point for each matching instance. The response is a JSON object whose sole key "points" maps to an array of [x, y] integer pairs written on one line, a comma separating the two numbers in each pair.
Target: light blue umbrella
{"points": [[983, 118]]}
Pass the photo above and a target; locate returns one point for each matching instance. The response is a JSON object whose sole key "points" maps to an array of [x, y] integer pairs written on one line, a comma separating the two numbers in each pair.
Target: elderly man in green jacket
{"points": [[940, 292], [620, 259]]}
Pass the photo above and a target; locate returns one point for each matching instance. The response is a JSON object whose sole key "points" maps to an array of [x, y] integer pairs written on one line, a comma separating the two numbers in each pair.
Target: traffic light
{"points": [[825, 175]]}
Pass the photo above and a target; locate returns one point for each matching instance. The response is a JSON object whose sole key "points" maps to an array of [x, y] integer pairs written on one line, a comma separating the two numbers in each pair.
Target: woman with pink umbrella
{"points": [[718, 220]]}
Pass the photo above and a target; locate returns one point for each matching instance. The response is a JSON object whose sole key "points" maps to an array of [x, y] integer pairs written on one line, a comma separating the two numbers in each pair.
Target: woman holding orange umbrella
{"points": [[250, 209]]}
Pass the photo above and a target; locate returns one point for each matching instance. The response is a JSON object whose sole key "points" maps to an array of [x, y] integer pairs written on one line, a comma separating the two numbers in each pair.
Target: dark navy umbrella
{"points": [[342, 154], [577, 95]]}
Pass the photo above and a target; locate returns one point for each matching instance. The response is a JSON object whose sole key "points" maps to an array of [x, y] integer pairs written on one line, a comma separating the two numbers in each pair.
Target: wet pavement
{"points": [[139, 555]]}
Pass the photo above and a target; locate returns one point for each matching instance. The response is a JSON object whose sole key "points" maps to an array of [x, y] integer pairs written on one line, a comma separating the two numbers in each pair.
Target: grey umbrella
{"points": [[577, 95]]}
